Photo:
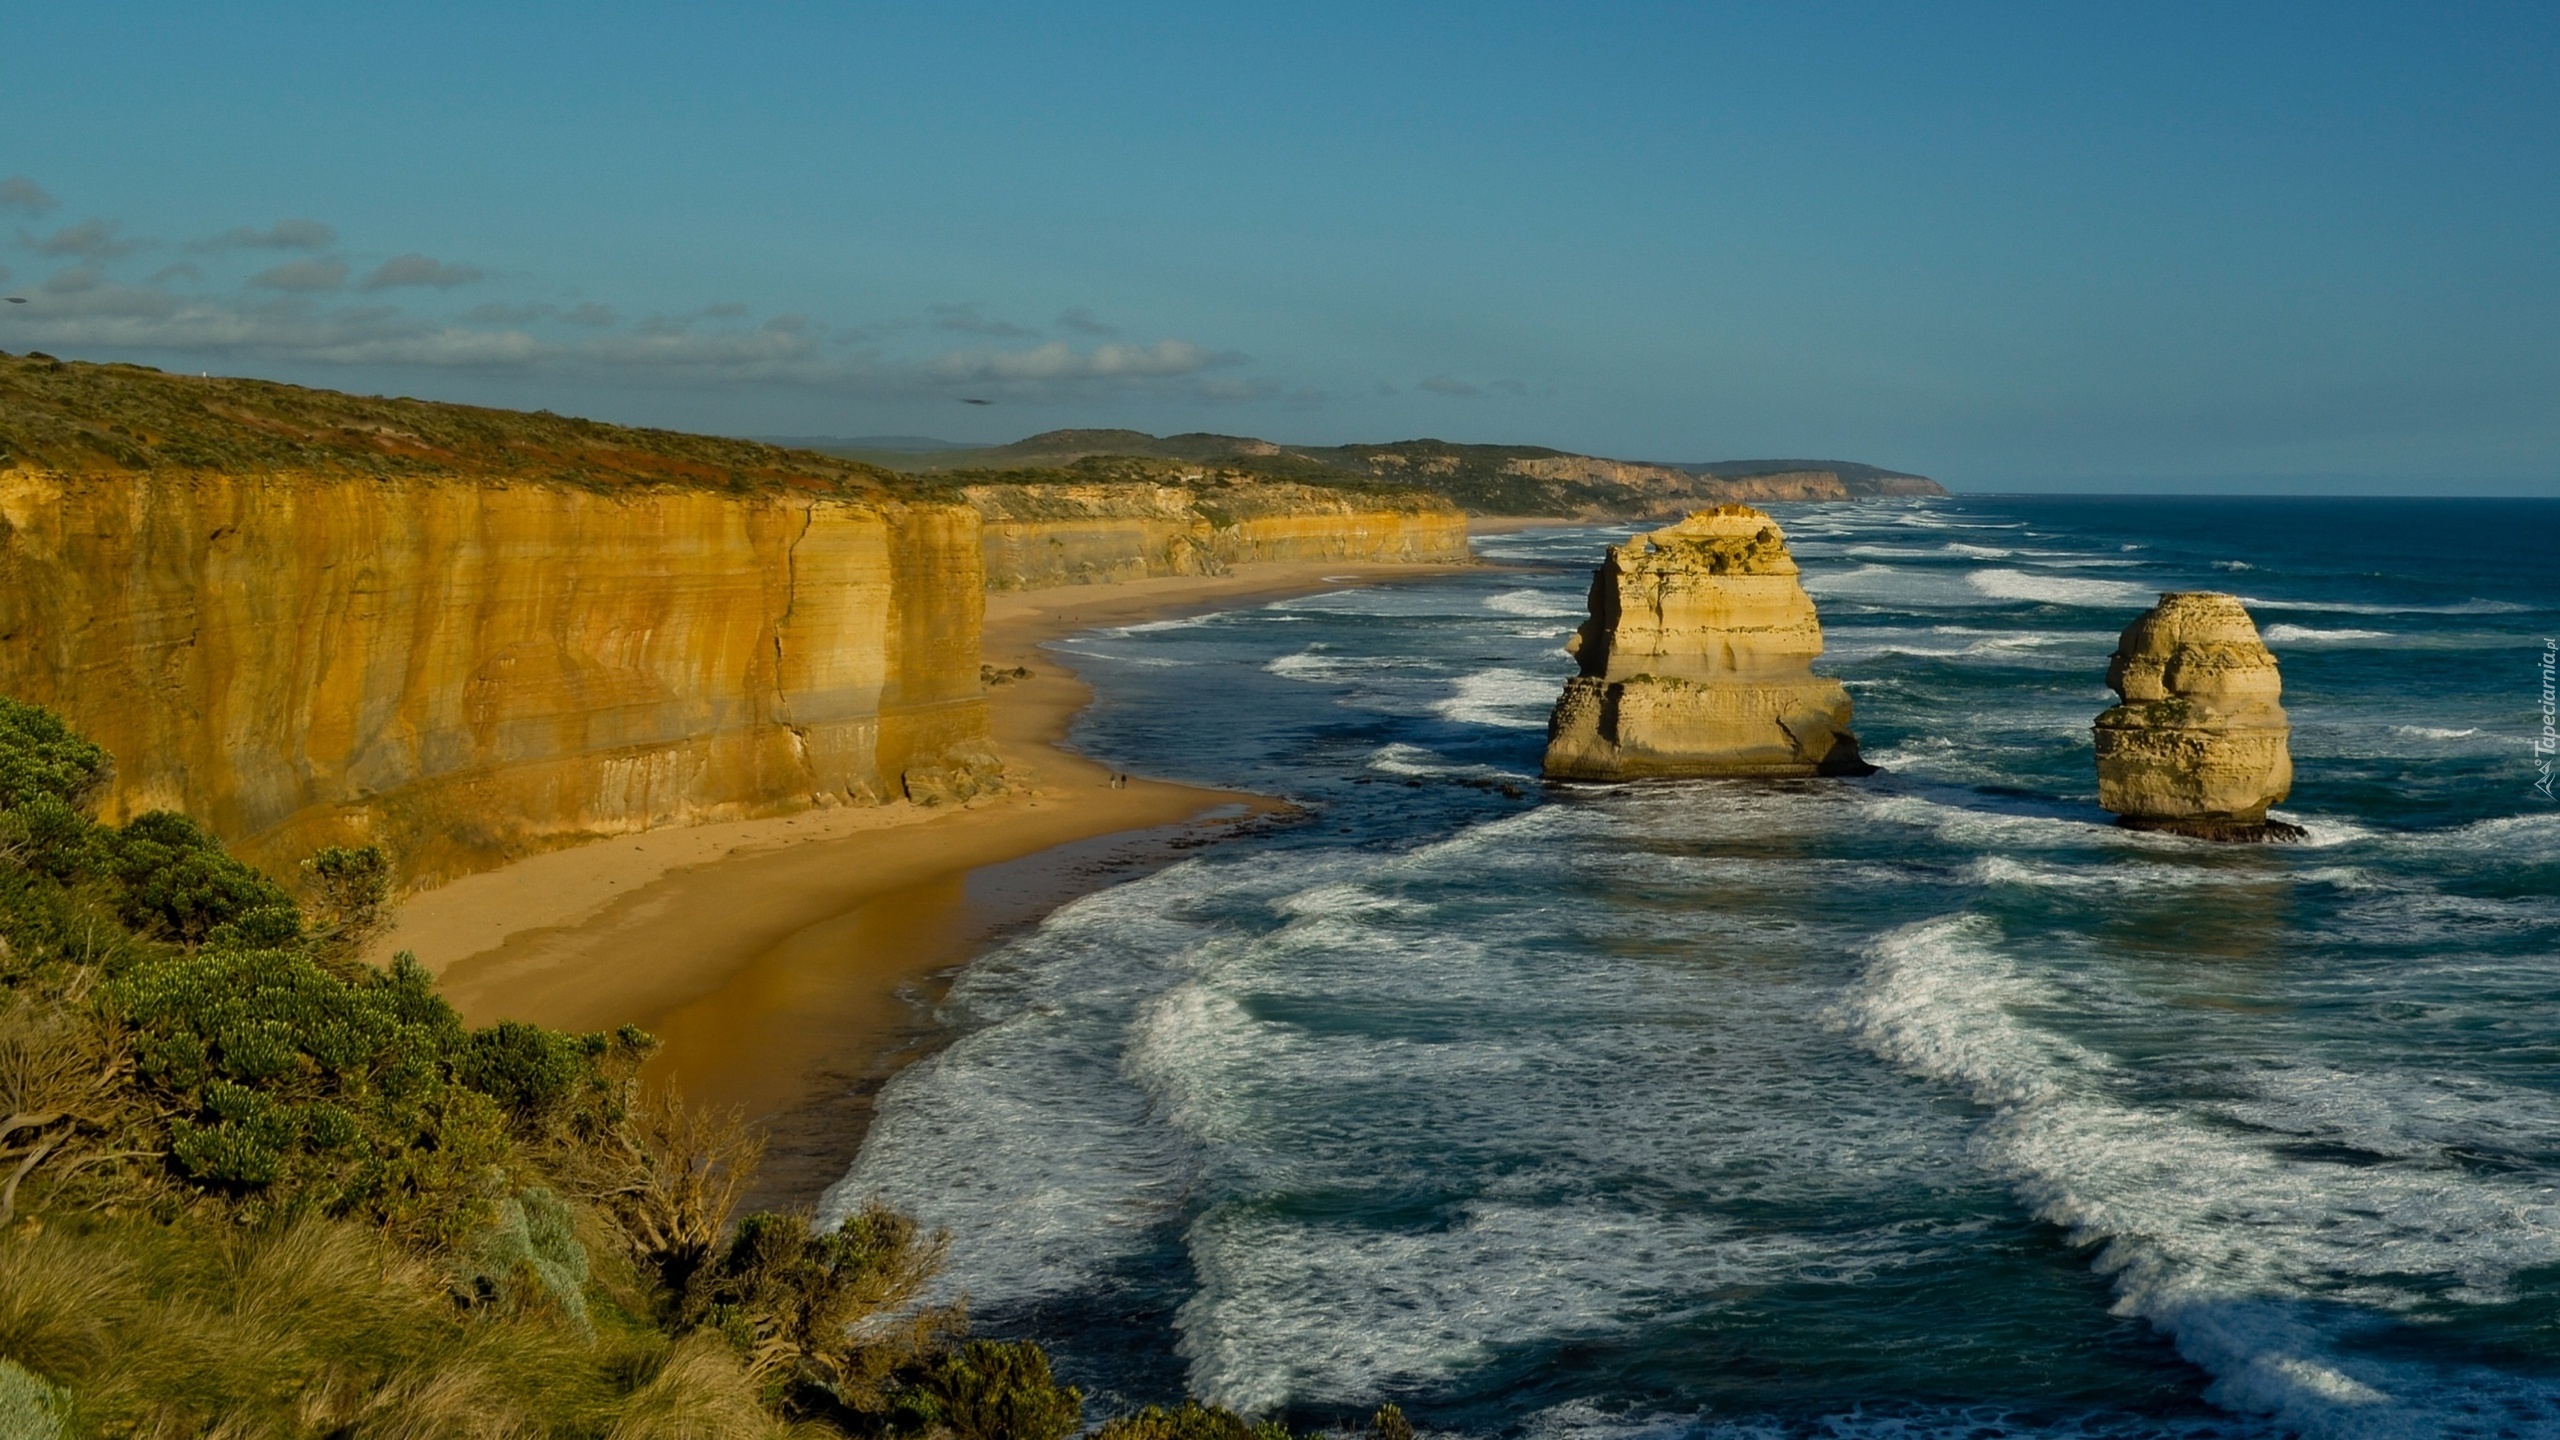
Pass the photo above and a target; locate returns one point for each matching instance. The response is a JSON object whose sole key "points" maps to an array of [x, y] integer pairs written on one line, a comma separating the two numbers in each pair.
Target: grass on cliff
{"points": [[78, 418], [252, 1187]]}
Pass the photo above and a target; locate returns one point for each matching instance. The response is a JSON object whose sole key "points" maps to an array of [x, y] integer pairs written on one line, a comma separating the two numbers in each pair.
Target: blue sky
{"points": [[2247, 247]]}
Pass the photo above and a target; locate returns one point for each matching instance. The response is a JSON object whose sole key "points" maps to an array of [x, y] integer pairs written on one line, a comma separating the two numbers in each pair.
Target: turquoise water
{"points": [[1925, 1104]]}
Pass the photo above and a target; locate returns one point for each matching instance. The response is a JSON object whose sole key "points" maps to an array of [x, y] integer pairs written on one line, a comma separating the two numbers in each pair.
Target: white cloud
{"points": [[282, 235], [91, 239], [1057, 361], [20, 193], [78, 280], [966, 318], [1080, 321], [302, 276], [783, 341], [589, 315], [421, 270], [301, 310]]}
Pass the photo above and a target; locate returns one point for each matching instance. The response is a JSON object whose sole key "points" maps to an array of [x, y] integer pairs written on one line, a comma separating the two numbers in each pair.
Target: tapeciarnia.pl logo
{"points": [[2546, 743]]}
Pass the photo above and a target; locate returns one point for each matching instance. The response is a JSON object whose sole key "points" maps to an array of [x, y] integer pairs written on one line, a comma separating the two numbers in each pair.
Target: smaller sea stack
{"points": [[1697, 661], [2199, 746]]}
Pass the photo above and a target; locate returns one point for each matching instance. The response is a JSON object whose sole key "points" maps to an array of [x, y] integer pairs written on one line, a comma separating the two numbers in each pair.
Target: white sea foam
{"points": [[2060, 589], [1539, 604], [1268, 1324], [2434, 732], [1506, 699], [1308, 664], [2236, 1249], [2306, 635], [2350, 607]]}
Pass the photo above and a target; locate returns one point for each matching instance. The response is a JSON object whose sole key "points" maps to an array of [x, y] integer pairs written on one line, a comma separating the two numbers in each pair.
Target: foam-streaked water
{"points": [[1926, 1104]]}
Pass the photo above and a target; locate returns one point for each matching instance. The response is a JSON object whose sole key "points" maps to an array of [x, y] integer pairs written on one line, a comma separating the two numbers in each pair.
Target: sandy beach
{"points": [[790, 965]]}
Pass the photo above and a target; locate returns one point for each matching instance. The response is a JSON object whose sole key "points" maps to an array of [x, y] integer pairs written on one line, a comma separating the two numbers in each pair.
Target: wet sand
{"points": [[791, 965]]}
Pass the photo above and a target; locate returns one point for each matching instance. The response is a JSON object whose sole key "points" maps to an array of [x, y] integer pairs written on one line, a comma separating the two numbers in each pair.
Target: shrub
{"points": [[527, 1069], [1192, 1421], [40, 756], [531, 1255], [29, 1408], [180, 884], [992, 1390], [350, 892], [339, 1091], [801, 1305], [46, 835]]}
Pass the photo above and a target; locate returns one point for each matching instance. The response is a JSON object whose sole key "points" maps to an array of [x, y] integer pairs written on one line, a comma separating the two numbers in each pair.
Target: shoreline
{"points": [[791, 965]]}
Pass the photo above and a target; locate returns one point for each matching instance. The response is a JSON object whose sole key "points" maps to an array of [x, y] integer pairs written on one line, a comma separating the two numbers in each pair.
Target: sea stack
{"points": [[2199, 746], [1697, 660]]}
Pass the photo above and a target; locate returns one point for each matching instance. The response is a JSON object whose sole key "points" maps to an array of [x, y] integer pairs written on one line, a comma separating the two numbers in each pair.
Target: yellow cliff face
{"points": [[468, 671], [1037, 536]]}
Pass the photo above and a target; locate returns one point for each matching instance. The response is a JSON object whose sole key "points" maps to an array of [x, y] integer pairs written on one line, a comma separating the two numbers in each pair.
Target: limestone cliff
{"points": [[309, 618], [2200, 745], [1042, 534], [467, 671], [1697, 661]]}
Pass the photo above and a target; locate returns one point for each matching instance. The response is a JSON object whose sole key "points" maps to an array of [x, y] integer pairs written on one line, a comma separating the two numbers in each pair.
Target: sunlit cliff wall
{"points": [[1042, 535], [466, 671]]}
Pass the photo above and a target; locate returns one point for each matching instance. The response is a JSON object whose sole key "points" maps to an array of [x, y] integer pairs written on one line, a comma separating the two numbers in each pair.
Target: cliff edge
{"points": [[309, 618], [1697, 661]]}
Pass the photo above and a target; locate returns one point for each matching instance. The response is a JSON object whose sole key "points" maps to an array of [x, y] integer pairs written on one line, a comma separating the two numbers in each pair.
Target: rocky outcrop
{"points": [[467, 671], [2200, 745], [1040, 535], [1667, 487], [1697, 661]]}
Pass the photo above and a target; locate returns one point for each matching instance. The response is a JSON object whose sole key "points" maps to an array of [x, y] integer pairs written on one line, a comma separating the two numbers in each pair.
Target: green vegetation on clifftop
{"points": [[251, 1187], [1484, 479], [80, 418]]}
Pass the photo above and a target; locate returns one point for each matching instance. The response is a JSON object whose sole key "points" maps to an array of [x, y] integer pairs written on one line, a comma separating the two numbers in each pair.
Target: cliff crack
{"points": [[790, 603]]}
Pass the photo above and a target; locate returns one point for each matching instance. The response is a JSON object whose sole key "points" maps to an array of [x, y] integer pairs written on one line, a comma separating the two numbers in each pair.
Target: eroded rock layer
{"points": [[2200, 745], [1039, 535], [1697, 660], [468, 671]]}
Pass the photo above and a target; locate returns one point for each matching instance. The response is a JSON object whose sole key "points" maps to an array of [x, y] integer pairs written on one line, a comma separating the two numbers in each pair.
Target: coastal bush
{"points": [[40, 756], [1190, 1421], [350, 895], [800, 1304], [29, 1408], [531, 1255], [179, 883], [250, 1186], [990, 1390]]}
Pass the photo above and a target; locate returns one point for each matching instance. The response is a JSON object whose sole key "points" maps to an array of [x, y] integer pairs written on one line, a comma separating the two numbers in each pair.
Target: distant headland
{"points": [[1481, 479]]}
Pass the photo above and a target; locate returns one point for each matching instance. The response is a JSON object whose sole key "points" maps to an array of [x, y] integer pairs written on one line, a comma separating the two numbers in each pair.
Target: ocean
{"points": [[1926, 1104]]}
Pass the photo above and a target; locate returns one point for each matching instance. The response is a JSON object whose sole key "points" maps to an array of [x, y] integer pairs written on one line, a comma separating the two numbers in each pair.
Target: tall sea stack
{"points": [[1697, 661], [2199, 746]]}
